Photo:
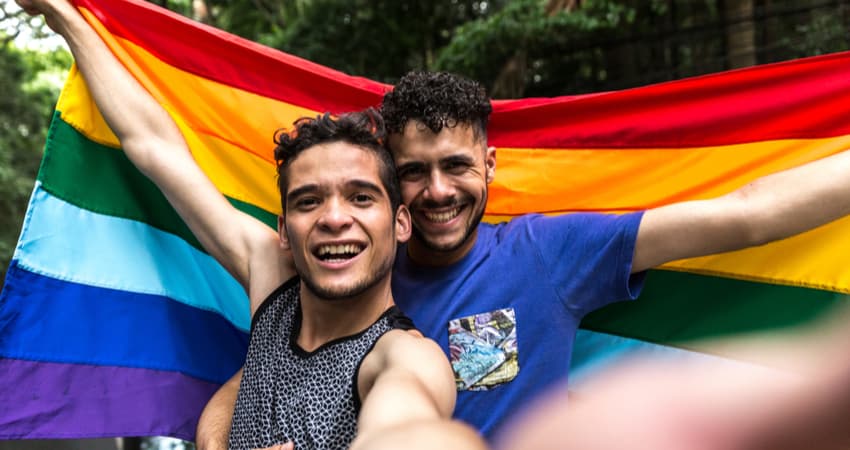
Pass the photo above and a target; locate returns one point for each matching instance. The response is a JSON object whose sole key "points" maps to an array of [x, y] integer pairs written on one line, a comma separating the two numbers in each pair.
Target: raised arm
{"points": [[408, 393], [152, 141], [768, 209]]}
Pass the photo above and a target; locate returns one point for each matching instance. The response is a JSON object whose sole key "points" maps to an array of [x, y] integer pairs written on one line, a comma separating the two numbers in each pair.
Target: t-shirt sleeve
{"points": [[588, 257]]}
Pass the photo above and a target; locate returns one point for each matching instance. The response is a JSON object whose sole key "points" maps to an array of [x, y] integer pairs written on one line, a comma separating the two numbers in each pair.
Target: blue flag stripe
{"points": [[45, 319], [63, 241]]}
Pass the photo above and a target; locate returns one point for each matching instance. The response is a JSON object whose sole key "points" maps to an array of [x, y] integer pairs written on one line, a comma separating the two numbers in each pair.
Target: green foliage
{"points": [[823, 33], [550, 48], [30, 84], [378, 39]]}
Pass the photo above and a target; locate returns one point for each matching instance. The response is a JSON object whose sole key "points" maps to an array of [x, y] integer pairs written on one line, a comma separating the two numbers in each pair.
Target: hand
{"points": [[51, 9], [31, 7], [712, 405], [284, 446]]}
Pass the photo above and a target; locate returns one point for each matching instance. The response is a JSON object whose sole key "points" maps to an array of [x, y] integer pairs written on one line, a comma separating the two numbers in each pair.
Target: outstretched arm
{"points": [[408, 393], [152, 141], [771, 208], [801, 402]]}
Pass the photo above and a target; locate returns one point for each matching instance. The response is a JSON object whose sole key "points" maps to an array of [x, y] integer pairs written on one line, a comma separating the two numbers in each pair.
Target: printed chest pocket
{"points": [[483, 349]]}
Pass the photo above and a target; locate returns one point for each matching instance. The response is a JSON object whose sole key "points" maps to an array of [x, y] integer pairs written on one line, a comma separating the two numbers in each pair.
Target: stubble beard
{"points": [[471, 226], [371, 280]]}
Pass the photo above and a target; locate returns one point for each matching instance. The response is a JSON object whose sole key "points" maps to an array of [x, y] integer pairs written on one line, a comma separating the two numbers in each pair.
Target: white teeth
{"points": [[344, 249], [442, 217]]}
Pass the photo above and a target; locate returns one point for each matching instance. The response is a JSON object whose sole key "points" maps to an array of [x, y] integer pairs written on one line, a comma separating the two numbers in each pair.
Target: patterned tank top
{"points": [[288, 394]]}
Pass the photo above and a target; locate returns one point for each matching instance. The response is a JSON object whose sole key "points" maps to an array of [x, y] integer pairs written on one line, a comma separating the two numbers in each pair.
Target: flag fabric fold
{"points": [[115, 322]]}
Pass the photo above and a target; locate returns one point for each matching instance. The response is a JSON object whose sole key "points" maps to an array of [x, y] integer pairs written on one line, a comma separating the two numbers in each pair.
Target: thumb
{"points": [[284, 446]]}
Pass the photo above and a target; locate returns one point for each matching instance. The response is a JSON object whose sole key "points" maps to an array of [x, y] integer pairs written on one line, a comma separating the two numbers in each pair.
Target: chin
{"points": [[330, 291], [443, 244], [344, 289], [446, 246]]}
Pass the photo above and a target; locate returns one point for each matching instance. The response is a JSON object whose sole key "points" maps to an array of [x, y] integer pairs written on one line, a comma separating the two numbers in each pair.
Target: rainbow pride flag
{"points": [[114, 322]]}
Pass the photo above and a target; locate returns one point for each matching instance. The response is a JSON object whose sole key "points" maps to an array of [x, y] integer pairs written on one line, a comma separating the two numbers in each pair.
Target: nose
{"points": [[335, 216], [439, 187]]}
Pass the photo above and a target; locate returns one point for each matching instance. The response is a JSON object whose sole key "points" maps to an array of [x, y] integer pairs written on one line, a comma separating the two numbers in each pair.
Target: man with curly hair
{"points": [[324, 325], [505, 301]]}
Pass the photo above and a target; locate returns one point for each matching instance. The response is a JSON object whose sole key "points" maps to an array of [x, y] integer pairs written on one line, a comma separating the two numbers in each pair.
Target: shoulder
{"points": [[406, 348], [408, 354], [403, 351], [398, 340], [572, 223], [576, 219]]}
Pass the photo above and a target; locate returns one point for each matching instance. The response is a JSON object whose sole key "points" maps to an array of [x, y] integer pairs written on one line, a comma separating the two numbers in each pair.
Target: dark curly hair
{"points": [[438, 100], [364, 129]]}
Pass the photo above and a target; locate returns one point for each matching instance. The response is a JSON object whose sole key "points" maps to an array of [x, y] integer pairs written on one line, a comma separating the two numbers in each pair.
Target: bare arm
{"points": [[771, 208], [214, 425], [410, 399], [707, 404], [152, 141]]}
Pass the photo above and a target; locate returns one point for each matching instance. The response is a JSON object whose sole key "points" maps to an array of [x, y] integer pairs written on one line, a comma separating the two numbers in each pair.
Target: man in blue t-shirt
{"points": [[505, 301]]}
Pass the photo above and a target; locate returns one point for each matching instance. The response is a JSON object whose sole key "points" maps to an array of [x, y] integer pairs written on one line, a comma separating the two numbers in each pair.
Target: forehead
{"points": [[418, 143], [334, 163]]}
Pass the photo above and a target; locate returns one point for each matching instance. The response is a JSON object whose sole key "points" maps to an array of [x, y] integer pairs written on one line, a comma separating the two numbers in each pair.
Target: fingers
{"points": [[28, 7], [284, 446]]}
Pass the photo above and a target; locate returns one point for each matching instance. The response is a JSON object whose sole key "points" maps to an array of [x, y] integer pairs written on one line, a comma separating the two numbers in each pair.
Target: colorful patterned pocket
{"points": [[483, 349]]}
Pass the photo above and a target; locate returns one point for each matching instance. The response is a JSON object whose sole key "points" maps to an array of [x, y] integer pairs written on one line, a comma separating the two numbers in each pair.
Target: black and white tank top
{"points": [[288, 394]]}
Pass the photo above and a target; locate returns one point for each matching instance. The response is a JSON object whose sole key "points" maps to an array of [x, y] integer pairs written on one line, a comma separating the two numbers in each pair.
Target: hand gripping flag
{"points": [[115, 322]]}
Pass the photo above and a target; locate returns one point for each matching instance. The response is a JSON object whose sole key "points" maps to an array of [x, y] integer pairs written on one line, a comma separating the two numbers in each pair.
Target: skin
{"points": [[335, 198], [405, 379], [797, 399], [444, 180]]}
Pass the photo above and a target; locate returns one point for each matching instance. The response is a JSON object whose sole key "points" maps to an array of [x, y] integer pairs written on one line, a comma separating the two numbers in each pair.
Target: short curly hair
{"points": [[438, 100], [364, 129]]}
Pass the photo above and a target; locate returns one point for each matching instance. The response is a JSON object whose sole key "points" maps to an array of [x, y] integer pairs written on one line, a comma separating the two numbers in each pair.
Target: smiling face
{"points": [[339, 223], [444, 178]]}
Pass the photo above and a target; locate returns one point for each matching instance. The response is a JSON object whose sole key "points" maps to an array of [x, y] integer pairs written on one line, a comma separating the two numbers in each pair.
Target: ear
{"points": [[403, 225], [490, 164], [281, 232]]}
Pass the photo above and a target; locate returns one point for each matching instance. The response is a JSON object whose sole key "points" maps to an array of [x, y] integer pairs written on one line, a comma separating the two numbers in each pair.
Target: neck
{"points": [[324, 320], [422, 254]]}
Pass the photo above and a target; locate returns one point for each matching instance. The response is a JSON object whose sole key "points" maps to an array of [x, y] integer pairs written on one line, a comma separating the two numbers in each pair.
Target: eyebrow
{"points": [[410, 165], [312, 188], [368, 185], [301, 190], [457, 158]]}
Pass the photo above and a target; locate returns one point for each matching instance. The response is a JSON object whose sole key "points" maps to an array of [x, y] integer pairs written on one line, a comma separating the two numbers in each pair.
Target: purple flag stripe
{"points": [[75, 401]]}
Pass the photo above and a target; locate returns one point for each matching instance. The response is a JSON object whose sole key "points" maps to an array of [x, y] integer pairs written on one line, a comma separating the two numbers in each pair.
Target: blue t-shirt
{"points": [[507, 313]]}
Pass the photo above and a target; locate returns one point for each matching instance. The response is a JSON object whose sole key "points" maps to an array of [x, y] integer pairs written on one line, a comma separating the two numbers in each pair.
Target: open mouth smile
{"points": [[335, 253], [442, 216]]}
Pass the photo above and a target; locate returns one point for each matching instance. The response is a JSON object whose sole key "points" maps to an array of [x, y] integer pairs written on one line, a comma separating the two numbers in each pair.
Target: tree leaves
{"points": [[30, 82]]}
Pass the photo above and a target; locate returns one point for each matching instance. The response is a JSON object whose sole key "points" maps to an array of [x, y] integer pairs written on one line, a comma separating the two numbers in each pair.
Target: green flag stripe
{"points": [[679, 306], [102, 180]]}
